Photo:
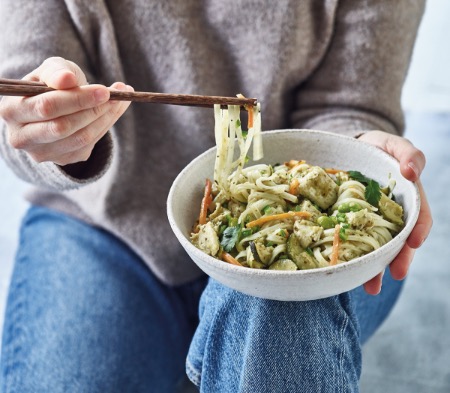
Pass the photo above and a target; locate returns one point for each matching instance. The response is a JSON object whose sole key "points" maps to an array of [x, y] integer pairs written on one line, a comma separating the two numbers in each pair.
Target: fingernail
{"points": [[421, 242], [120, 86], [414, 168], [101, 95]]}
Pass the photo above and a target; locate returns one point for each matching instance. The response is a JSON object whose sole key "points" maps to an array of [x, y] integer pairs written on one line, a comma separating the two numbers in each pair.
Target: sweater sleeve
{"points": [[357, 85], [31, 32]]}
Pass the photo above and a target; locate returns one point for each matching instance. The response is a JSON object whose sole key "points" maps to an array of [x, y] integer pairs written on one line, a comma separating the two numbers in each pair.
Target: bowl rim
{"points": [[185, 242]]}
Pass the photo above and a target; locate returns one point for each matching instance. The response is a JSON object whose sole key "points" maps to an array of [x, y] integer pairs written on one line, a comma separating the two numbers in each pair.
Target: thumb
{"points": [[59, 73]]}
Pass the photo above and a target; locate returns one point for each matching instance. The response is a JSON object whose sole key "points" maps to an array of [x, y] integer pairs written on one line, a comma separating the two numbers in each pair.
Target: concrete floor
{"points": [[411, 352]]}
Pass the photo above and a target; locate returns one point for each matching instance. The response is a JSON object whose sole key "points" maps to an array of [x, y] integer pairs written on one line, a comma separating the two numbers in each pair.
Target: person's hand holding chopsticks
{"points": [[61, 126]]}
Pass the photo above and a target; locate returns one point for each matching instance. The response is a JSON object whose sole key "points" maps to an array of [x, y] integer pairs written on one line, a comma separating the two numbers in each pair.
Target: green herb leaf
{"points": [[358, 176], [230, 237], [373, 189], [238, 123], [373, 192]]}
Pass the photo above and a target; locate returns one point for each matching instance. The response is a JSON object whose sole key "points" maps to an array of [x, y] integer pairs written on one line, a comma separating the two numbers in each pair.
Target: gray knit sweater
{"points": [[335, 65]]}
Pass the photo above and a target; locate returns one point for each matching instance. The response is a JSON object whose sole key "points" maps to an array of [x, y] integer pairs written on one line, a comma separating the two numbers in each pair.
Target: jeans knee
{"points": [[247, 342]]}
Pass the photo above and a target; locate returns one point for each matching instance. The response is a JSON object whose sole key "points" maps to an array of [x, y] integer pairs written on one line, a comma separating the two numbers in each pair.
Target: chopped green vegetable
{"points": [[246, 232], [222, 229], [267, 209], [349, 207], [343, 233], [341, 217], [326, 222], [232, 221]]}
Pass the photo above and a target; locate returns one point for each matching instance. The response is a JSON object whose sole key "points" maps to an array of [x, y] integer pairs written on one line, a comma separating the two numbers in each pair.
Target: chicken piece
{"points": [[391, 210], [236, 208], [360, 219], [307, 206], [307, 232], [316, 185], [208, 240]]}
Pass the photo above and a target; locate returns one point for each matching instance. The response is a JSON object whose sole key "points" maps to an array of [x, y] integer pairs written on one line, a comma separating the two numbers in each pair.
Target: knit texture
{"points": [[329, 65]]}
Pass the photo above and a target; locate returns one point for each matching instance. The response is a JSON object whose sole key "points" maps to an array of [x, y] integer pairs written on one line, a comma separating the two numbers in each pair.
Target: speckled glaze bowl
{"points": [[318, 148]]}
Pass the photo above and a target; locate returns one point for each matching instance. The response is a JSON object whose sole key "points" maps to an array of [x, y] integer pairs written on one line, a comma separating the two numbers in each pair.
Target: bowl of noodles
{"points": [[320, 214]]}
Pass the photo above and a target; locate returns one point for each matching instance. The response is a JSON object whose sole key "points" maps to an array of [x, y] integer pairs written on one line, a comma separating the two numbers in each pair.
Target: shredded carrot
{"points": [[293, 163], [336, 243], [281, 216], [206, 201], [250, 117], [333, 171], [293, 187], [228, 258]]}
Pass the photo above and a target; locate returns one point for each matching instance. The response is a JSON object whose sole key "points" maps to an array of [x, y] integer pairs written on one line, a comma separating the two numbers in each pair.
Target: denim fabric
{"points": [[247, 344], [84, 314]]}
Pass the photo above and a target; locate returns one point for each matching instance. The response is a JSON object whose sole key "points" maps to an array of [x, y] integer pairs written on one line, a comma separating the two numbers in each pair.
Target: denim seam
{"points": [[344, 381], [194, 375]]}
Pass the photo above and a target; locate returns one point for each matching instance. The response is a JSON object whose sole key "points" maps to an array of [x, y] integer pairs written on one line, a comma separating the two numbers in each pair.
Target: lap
{"points": [[85, 314], [244, 343]]}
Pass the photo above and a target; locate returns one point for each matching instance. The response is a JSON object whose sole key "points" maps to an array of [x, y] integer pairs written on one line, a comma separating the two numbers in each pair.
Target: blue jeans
{"points": [[84, 314]]}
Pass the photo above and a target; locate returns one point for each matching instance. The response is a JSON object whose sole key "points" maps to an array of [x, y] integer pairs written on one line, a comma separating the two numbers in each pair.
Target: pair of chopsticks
{"points": [[15, 87]]}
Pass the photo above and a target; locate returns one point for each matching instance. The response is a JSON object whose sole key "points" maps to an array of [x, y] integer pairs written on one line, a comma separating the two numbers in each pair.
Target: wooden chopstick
{"points": [[15, 87]]}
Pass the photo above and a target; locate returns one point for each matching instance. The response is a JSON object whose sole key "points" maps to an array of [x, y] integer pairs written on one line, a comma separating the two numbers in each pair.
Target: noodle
{"points": [[297, 211]]}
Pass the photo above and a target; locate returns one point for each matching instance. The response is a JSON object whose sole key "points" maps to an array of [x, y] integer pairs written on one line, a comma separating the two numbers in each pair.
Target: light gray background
{"points": [[411, 352]]}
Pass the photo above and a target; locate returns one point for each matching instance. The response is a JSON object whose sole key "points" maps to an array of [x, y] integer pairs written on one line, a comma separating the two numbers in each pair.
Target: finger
{"points": [[75, 157], [75, 147], [58, 73], [373, 286], [59, 103], [45, 132], [424, 222], [400, 265]]}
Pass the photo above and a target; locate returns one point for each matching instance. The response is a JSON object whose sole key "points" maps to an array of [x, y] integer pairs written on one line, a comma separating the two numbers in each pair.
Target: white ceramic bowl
{"points": [[318, 148]]}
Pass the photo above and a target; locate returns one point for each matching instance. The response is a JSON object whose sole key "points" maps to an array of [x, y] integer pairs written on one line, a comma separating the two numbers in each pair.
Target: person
{"points": [[102, 297]]}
